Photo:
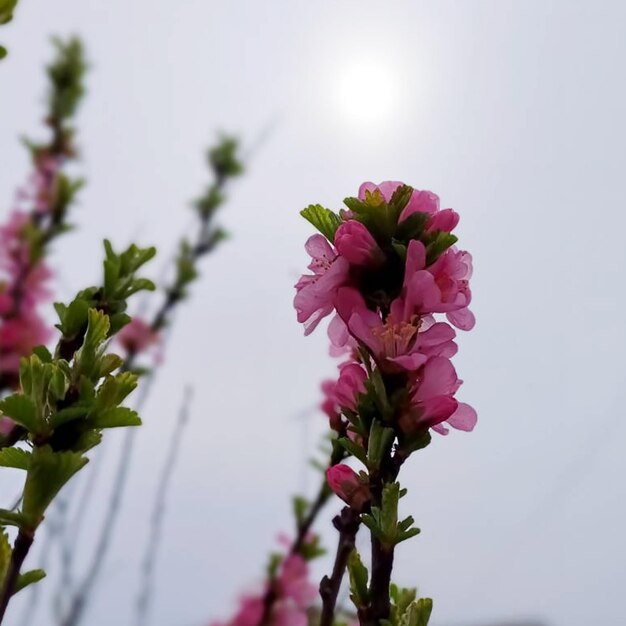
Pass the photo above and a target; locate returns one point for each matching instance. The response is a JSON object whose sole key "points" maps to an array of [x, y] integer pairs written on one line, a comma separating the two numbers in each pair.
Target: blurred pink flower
{"points": [[137, 336]]}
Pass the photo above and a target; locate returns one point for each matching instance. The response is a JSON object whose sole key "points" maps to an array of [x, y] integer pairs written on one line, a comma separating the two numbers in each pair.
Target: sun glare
{"points": [[367, 91]]}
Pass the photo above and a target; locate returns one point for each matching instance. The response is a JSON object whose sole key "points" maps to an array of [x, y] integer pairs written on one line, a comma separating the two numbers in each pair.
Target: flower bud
{"points": [[349, 486], [356, 244]]}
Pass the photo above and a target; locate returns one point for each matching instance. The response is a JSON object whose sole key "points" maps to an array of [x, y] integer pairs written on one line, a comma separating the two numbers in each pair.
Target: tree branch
{"points": [[347, 523]]}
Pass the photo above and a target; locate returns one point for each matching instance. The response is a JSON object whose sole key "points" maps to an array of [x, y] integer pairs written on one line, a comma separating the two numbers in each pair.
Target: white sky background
{"points": [[513, 112]]}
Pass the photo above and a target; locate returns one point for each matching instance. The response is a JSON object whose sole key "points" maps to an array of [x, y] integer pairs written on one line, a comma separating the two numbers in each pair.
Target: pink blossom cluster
{"points": [[291, 595], [398, 288], [23, 275], [39, 192], [23, 286]]}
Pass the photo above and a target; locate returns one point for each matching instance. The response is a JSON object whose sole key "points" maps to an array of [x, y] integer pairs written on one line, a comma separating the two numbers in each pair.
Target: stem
{"points": [[347, 523], [156, 520], [23, 542], [304, 527], [382, 565], [382, 555]]}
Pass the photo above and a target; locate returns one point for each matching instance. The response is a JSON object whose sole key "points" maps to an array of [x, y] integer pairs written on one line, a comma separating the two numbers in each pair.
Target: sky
{"points": [[513, 112]]}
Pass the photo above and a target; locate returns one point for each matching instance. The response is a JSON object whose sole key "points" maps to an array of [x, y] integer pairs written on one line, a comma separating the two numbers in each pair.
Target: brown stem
{"points": [[382, 565], [347, 523], [23, 542]]}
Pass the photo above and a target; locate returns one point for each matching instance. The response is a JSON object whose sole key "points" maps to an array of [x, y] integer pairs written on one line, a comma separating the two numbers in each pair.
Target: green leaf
{"points": [[439, 245], [412, 227], [29, 578], [69, 414], [43, 353], [114, 418], [300, 508], [354, 449], [6, 10], [418, 613], [108, 364], [49, 471], [358, 580], [379, 443], [5, 555], [23, 410], [14, 457], [114, 390], [325, 220]]}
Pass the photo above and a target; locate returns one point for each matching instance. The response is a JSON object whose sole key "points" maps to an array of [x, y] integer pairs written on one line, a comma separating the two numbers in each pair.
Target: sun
{"points": [[367, 91]]}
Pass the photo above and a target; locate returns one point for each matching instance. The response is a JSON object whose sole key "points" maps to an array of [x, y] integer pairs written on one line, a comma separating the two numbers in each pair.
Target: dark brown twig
{"points": [[347, 523], [23, 542]]}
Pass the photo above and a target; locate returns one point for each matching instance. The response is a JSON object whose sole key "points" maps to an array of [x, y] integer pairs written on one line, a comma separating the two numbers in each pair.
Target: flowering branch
{"points": [[25, 239], [391, 269], [65, 403]]}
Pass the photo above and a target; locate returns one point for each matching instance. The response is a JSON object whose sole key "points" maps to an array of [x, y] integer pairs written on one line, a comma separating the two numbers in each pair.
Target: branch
{"points": [[23, 542], [347, 523], [225, 166], [158, 511]]}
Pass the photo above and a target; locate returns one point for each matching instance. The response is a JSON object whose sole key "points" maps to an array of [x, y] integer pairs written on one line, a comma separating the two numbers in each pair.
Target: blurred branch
{"points": [[50, 192], [158, 511], [6, 15], [225, 165]]}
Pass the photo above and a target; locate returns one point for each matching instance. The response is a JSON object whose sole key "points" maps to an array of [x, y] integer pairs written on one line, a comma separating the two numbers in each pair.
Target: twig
{"points": [[225, 166], [156, 520], [21, 547], [303, 529], [347, 523]]}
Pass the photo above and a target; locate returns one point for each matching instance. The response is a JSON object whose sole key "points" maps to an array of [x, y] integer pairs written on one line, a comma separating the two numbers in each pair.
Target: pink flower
{"points": [[452, 271], [442, 287], [41, 187], [350, 385], [293, 581], [445, 221], [355, 243], [249, 614], [137, 336], [316, 292], [404, 341], [432, 400], [330, 406], [285, 614], [18, 336], [347, 484], [343, 393]]}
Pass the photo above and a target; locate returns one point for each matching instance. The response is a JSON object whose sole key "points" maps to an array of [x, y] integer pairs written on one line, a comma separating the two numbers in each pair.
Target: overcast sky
{"points": [[513, 112]]}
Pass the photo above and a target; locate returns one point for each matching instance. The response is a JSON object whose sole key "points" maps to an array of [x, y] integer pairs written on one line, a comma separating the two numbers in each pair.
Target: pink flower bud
{"points": [[347, 484], [445, 221], [351, 383], [356, 244]]}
